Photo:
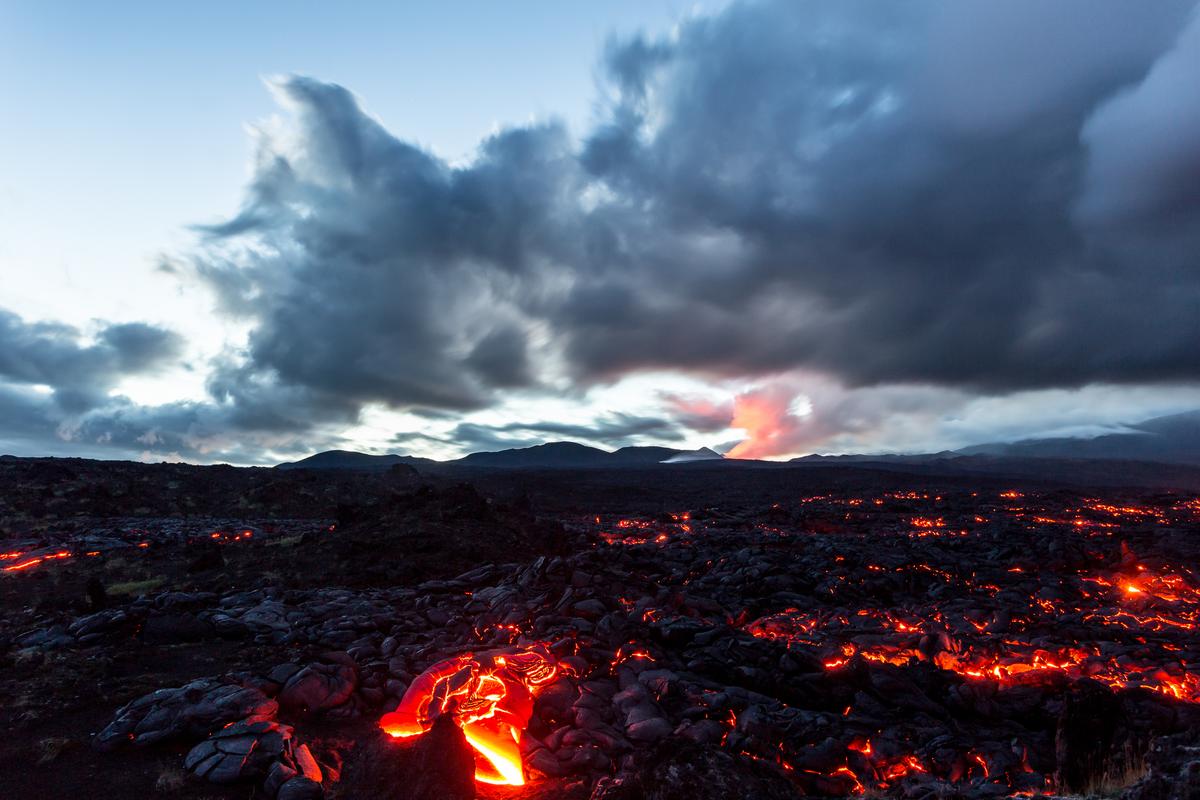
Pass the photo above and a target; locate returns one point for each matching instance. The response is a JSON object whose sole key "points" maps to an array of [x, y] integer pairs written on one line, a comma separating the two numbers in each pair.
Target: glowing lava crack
{"points": [[490, 697]]}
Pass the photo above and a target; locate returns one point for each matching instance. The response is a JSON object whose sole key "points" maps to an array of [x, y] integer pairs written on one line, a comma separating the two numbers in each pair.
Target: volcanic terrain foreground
{"points": [[912, 640]]}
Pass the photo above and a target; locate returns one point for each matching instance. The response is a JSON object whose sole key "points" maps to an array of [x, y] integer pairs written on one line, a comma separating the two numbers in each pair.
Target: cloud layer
{"points": [[783, 185]]}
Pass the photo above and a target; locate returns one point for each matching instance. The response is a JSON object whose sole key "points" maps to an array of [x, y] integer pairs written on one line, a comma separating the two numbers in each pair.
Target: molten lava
{"points": [[490, 697], [32, 561]]}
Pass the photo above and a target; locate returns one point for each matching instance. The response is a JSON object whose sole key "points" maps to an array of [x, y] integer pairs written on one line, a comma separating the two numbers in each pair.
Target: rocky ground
{"points": [[771, 637]]}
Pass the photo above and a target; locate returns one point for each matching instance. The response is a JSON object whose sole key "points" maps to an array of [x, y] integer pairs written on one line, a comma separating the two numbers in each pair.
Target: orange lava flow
{"points": [[490, 698], [1144, 605], [33, 562]]}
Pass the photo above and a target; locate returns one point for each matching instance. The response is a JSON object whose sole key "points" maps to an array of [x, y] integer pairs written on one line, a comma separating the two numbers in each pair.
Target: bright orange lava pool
{"points": [[491, 699]]}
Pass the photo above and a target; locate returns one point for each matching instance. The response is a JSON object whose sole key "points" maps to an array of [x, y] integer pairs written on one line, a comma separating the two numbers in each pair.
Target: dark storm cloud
{"points": [[908, 193], [468, 436], [80, 373], [501, 359], [26, 420], [473, 438], [380, 273], [251, 401], [246, 416], [612, 430], [194, 431], [1144, 157], [904, 198], [35, 423], [615, 429], [887, 209]]}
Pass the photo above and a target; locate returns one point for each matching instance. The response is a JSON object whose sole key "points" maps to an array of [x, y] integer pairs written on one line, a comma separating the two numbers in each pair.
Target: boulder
{"points": [[194, 710], [243, 751], [319, 687]]}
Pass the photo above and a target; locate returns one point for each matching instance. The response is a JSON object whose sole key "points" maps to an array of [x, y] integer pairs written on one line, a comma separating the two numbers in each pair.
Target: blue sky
{"points": [[805, 226]]}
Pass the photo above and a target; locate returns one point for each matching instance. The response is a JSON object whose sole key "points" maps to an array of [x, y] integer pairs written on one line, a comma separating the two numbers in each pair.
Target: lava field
{"points": [[915, 642]]}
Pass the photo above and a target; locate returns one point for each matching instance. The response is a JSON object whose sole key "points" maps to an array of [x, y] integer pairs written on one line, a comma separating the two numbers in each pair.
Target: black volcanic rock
{"points": [[203, 555], [198, 708], [430, 531], [1096, 746], [804, 640], [1063, 471], [243, 751], [319, 687], [438, 765], [687, 771], [1173, 769], [44, 489], [642, 455], [445, 764]]}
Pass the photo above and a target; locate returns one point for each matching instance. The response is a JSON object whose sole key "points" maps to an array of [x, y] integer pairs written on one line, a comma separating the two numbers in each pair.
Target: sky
{"points": [[248, 232]]}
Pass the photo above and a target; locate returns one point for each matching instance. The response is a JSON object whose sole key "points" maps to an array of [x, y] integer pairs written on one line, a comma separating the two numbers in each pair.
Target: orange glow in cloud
{"points": [[700, 413], [771, 427]]}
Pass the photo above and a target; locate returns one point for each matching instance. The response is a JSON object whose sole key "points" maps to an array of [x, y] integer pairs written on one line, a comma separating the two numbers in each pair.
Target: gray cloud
{"points": [[81, 373], [612, 430], [884, 196], [32, 423], [1142, 145], [26, 420], [56, 396], [889, 228], [616, 429], [380, 273], [248, 400]]}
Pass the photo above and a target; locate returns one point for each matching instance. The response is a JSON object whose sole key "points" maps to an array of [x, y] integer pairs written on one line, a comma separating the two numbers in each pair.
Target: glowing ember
{"points": [[491, 699]]}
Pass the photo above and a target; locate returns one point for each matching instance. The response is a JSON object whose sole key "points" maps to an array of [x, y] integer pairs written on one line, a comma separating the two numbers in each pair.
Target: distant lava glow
{"points": [[771, 424], [491, 699]]}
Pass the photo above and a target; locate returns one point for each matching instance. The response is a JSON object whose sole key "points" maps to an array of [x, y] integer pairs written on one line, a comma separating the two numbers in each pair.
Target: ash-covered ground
{"points": [[195, 632]]}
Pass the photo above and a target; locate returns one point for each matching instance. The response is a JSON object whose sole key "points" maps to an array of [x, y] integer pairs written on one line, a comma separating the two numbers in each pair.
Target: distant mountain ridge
{"points": [[688, 456], [553, 455], [1173, 439], [351, 460], [574, 455], [1162, 441]]}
